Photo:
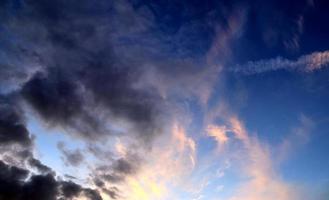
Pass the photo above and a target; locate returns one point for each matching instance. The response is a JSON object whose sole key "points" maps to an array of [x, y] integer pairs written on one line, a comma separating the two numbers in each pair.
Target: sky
{"points": [[164, 100]]}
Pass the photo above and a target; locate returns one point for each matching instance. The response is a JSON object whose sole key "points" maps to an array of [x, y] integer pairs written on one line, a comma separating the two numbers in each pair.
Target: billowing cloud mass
{"points": [[12, 122], [135, 100], [22, 176], [15, 187]]}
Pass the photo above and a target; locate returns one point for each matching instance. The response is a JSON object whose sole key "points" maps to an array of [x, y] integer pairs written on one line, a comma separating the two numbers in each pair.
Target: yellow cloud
{"points": [[167, 165]]}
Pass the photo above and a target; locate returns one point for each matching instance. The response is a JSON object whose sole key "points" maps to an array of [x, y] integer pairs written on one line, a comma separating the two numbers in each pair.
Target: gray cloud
{"points": [[118, 170], [81, 72], [12, 126], [15, 185], [71, 157], [39, 166]]}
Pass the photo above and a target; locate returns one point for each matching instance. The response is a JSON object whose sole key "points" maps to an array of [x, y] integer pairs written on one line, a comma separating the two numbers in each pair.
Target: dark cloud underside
{"points": [[14, 186]]}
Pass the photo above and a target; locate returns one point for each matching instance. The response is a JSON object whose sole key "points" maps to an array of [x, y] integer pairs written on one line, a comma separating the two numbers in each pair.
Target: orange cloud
{"points": [[262, 181], [218, 133]]}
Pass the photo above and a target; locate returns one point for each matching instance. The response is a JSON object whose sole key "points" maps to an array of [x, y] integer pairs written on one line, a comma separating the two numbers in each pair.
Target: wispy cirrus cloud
{"points": [[218, 133], [307, 63], [256, 167], [253, 159], [263, 181]]}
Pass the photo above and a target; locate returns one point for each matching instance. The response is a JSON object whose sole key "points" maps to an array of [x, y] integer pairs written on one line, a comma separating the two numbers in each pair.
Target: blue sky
{"points": [[158, 100]]}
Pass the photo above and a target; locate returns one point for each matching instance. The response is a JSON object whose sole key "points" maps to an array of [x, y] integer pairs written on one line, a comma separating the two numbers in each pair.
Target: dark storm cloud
{"points": [[61, 101], [59, 58], [15, 185], [16, 146], [40, 187], [12, 126], [15, 182], [89, 64], [70, 189], [79, 69], [53, 96], [39, 166], [16, 142]]}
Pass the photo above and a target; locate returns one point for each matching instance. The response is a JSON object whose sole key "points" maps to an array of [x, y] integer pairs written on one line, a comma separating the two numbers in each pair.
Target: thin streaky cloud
{"points": [[306, 63]]}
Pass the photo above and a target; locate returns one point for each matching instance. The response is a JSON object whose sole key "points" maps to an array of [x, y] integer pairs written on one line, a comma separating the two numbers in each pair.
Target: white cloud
{"points": [[306, 63]]}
